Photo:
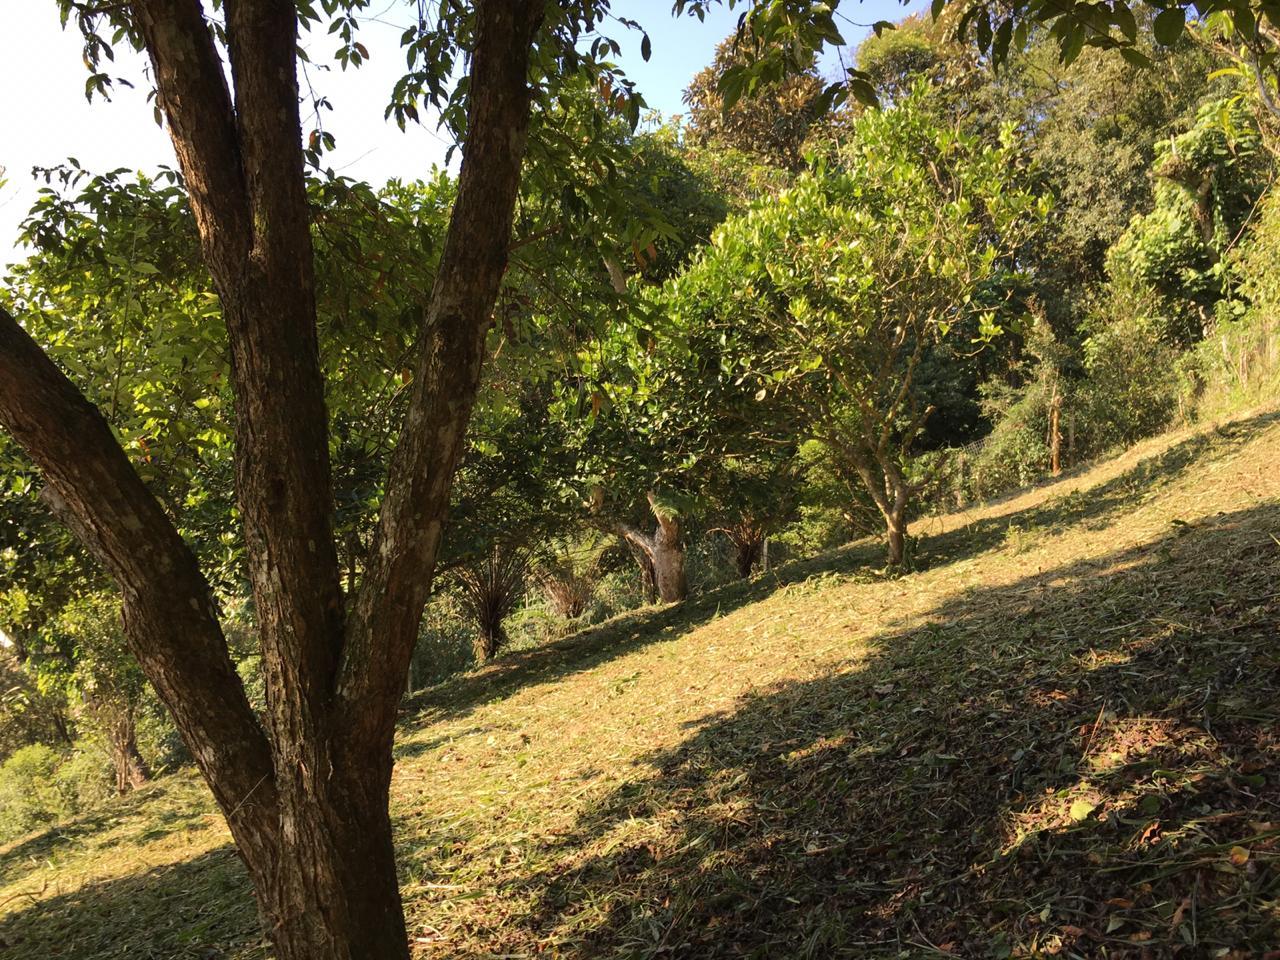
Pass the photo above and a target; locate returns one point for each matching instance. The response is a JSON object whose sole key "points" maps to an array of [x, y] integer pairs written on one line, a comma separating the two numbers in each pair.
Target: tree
{"points": [[830, 297], [1171, 260], [772, 124], [108, 684], [305, 795], [306, 798]]}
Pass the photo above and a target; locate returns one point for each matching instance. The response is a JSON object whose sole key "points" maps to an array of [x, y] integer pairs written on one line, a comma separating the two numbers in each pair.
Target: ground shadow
{"points": [[39, 847], [200, 909], [1082, 764]]}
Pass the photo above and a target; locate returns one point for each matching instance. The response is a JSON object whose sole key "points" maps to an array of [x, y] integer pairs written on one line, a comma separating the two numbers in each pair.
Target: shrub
{"points": [[86, 776], [1131, 389], [30, 793]]}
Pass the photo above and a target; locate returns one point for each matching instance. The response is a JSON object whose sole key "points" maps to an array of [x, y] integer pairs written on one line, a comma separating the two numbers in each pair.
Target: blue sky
{"points": [[46, 117]]}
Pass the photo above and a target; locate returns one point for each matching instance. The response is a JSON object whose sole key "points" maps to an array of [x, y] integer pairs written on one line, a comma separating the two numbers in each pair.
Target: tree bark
{"points": [[668, 568], [132, 771], [661, 552], [306, 800], [488, 642]]}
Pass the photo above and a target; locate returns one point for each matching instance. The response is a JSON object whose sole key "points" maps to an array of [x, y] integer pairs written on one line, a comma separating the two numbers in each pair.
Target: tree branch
{"points": [[384, 622], [169, 614], [244, 170]]}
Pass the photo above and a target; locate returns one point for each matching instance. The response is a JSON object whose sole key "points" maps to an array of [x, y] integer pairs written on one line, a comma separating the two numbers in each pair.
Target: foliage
{"points": [[1240, 364], [772, 124], [1208, 185], [1132, 387], [28, 714], [30, 794], [830, 297], [1017, 452]]}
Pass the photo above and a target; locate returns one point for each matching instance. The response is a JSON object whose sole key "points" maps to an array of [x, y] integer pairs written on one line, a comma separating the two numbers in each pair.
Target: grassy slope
{"points": [[1059, 738]]}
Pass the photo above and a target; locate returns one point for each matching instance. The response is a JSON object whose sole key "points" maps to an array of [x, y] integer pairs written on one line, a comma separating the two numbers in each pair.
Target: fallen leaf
{"points": [[1081, 809]]}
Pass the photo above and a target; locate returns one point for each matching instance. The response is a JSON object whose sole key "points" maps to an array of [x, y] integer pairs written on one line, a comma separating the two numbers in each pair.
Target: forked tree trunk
{"points": [[306, 800], [891, 492], [330, 883], [660, 555]]}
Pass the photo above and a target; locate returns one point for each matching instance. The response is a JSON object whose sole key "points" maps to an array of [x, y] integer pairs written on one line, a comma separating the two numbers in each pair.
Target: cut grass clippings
{"points": [[1058, 738]]}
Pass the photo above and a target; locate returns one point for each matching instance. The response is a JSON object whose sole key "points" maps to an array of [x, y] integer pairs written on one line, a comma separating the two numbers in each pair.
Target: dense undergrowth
{"points": [[1058, 737]]}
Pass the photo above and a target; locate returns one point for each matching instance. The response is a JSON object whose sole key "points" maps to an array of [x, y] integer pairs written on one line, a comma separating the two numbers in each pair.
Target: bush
{"points": [[1239, 364], [445, 642], [86, 777], [1132, 385], [30, 793]]}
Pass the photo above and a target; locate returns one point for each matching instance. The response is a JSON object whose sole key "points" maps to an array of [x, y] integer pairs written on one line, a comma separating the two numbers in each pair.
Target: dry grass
{"points": [[1058, 738]]}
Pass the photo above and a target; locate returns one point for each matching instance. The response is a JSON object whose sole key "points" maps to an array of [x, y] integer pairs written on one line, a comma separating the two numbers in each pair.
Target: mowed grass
{"points": [[1058, 738]]}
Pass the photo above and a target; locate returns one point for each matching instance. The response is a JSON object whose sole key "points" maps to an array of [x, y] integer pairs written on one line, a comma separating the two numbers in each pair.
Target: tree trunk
{"points": [[132, 771], [668, 570], [329, 890], [306, 803], [488, 642], [896, 529], [1055, 433], [891, 493], [660, 555]]}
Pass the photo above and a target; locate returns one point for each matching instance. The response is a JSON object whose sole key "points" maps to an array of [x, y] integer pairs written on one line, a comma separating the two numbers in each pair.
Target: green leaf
{"points": [[1168, 25], [1136, 57]]}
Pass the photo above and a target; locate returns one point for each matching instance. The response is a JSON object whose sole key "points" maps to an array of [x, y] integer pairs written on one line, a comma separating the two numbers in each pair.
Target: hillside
{"points": [[1058, 738]]}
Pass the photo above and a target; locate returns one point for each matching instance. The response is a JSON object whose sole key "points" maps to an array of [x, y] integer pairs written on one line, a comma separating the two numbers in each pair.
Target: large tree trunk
{"points": [[306, 799], [329, 891]]}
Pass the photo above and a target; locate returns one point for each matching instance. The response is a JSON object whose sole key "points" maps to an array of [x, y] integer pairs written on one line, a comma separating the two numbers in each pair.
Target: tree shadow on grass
{"points": [[621, 635], [187, 810], [1081, 764], [199, 908]]}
